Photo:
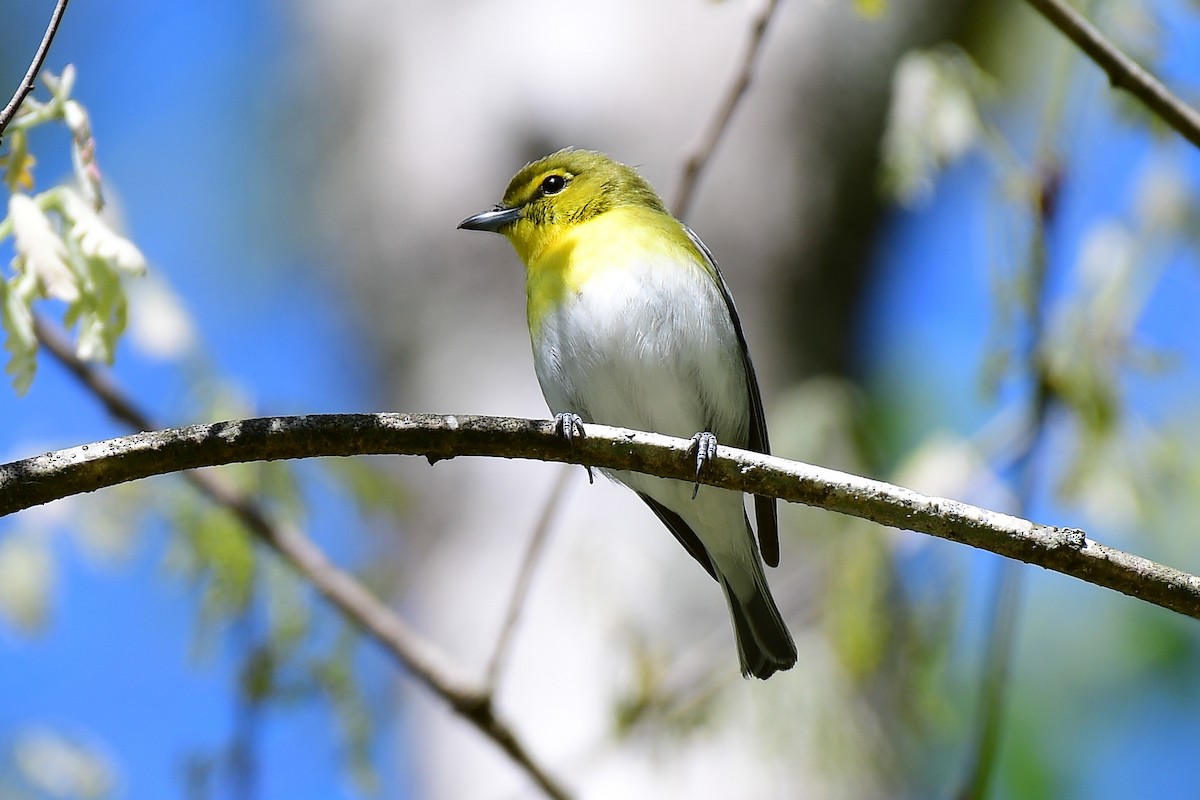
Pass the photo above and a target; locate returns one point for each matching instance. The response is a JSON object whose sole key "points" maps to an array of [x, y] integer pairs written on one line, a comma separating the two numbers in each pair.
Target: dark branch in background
{"points": [[1123, 72], [421, 657], [533, 553], [10, 110], [1044, 401], [698, 160], [98, 383], [62, 473]]}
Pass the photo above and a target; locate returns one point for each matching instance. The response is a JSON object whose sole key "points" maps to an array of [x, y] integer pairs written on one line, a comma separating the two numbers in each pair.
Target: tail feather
{"points": [[763, 642]]}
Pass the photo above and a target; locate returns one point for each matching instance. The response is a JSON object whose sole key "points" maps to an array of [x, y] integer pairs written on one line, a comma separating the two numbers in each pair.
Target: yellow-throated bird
{"points": [[633, 325]]}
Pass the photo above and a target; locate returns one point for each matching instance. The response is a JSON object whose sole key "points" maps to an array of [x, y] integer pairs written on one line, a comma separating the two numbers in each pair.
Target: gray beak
{"points": [[492, 220]]}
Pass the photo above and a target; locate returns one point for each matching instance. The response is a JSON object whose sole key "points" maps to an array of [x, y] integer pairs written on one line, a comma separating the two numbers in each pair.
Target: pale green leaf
{"points": [[27, 577], [19, 340]]}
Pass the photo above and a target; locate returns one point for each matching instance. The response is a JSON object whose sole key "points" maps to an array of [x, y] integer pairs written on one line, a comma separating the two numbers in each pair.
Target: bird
{"points": [[633, 325]]}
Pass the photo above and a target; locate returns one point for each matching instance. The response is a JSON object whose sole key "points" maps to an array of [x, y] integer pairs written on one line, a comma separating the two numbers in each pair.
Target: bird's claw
{"points": [[705, 445], [568, 426]]}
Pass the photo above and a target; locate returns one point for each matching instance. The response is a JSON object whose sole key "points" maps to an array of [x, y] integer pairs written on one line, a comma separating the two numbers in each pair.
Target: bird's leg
{"points": [[705, 445], [569, 425]]}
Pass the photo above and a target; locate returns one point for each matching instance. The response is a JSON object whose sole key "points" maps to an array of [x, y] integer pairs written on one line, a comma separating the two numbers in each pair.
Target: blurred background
{"points": [[963, 262]]}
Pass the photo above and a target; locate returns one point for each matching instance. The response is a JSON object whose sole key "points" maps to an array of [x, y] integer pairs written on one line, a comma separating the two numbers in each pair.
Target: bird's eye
{"points": [[553, 184]]}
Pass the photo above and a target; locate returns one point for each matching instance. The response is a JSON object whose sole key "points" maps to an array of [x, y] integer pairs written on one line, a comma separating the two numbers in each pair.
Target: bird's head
{"points": [[550, 196]]}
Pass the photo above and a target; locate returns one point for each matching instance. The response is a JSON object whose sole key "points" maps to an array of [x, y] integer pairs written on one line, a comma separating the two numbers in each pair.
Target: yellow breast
{"points": [[619, 239]]}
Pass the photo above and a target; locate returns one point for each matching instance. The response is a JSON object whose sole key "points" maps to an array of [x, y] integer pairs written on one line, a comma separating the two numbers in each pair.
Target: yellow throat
{"points": [[576, 212]]}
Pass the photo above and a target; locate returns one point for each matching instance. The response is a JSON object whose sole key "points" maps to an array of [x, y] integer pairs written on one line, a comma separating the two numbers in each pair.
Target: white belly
{"points": [[647, 348]]}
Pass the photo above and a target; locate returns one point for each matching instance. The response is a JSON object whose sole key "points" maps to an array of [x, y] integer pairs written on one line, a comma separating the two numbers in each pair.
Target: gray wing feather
{"points": [[765, 512], [686, 536]]}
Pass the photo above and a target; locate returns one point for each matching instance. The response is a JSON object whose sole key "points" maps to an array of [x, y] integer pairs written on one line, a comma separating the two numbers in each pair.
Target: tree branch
{"points": [[423, 659], [1123, 72], [10, 110], [699, 158], [62, 473]]}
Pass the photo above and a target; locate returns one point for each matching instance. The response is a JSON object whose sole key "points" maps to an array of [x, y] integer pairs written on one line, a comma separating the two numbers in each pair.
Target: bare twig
{"points": [[424, 660], [62, 473], [10, 110], [699, 158], [533, 552], [1123, 72], [420, 656], [1004, 613], [95, 381]]}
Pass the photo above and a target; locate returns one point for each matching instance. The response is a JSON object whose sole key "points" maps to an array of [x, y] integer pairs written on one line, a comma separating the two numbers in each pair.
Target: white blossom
{"points": [[97, 240], [60, 767], [40, 250], [932, 120]]}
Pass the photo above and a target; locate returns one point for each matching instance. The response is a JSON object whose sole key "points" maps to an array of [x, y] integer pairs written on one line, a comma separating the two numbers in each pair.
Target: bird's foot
{"points": [[568, 426], [705, 446]]}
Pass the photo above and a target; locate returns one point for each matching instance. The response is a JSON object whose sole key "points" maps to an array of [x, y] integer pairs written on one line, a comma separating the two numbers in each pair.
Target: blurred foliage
{"points": [[292, 649], [1070, 331], [27, 579], [65, 250], [374, 490], [933, 120], [47, 764]]}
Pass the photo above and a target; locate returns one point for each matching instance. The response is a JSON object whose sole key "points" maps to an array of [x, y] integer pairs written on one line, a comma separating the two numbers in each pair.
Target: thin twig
{"points": [[10, 110], [115, 402], [699, 158], [52, 476], [1004, 612], [533, 552], [420, 656], [1123, 72]]}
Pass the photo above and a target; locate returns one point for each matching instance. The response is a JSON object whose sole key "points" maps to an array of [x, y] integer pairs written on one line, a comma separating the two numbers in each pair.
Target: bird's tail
{"points": [[763, 642]]}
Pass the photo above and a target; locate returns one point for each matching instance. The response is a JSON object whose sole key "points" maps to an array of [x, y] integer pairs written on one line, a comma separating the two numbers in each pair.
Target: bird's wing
{"points": [[765, 512], [686, 536]]}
